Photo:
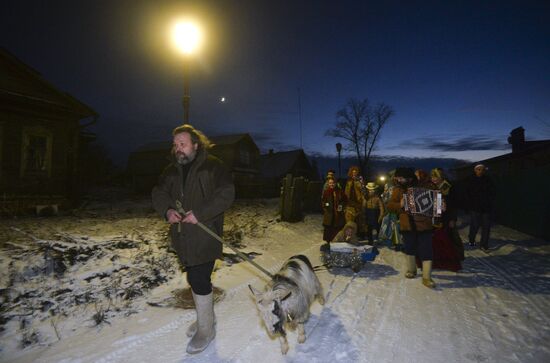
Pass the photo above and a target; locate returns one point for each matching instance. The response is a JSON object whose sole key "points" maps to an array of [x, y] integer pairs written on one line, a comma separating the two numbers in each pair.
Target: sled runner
{"points": [[342, 254]]}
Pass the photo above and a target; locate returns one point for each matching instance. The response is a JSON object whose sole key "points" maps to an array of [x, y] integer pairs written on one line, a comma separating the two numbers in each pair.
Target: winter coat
{"points": [[208, 192], [449, 197], [480, 194], [333, 204], [421, 223], [354, 194]]}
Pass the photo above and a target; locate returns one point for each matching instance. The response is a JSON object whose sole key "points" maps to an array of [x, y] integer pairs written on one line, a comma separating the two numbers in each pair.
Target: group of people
{"points": [[196, 187], [357, 211], [357, 207]]}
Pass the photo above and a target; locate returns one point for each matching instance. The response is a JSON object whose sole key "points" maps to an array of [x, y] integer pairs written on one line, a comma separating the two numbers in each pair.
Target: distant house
{"points": [[521, 178], [239, 153], [41, 135], [278, 164], [146, 163]]}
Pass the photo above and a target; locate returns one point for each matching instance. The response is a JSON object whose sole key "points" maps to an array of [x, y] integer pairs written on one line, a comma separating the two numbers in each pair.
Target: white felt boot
{"points": [[204, 304]]}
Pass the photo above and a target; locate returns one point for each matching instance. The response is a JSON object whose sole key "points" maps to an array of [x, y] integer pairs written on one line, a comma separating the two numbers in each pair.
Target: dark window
{"points": [[244, 156], [37, 152]]}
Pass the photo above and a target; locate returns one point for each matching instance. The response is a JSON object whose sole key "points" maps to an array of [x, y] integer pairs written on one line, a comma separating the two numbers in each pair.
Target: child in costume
{"points": [[374, 211]]}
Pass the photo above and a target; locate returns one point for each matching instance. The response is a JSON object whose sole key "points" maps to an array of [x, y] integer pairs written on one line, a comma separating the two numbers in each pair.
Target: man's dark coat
{"points": [[208, 192]]}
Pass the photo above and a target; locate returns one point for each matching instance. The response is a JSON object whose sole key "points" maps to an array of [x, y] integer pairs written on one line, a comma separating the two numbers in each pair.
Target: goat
{"points": [[287, 298]]}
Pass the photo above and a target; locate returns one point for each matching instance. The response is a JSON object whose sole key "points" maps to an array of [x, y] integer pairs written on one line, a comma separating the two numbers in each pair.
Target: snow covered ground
{"points": [[495, 310]]}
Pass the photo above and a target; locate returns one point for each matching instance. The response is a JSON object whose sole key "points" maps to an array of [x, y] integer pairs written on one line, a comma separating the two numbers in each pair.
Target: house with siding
{"points": [[42, 132]]}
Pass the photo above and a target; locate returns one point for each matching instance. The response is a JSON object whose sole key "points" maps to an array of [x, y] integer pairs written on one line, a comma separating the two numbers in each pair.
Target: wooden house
{"points": [[41, 130], [239, 152], [278, 164], [275, 166], [146, 163]]}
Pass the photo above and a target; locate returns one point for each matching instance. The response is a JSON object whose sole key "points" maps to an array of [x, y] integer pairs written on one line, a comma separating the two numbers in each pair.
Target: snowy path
{"points": [[482, 314], [494, 310]]}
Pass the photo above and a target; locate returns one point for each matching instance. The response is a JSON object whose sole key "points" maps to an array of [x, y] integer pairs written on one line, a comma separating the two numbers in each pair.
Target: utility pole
{"points": [[300, 116]]}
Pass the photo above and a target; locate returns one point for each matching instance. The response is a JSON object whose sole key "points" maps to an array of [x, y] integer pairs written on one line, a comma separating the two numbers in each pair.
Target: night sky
{"points": [[459, 74]]}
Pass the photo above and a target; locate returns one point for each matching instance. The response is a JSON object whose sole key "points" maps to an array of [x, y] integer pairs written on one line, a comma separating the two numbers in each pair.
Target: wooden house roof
{"points": [[277, 164], [18, 81], [529, 147], [223, 140]]}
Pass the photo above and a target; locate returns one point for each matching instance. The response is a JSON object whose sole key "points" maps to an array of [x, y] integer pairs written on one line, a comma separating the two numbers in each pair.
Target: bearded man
{"points": [[200, 185]]}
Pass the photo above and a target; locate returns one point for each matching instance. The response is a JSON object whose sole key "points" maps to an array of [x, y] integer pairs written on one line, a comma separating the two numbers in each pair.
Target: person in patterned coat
{"points": [[416, 229]]}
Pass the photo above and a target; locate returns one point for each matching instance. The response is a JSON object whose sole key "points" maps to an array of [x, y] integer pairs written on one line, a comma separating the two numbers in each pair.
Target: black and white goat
{"points": [[287, 298]]}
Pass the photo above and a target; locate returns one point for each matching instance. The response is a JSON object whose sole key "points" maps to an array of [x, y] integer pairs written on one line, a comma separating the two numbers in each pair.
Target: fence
{"points": [[299, 195]]}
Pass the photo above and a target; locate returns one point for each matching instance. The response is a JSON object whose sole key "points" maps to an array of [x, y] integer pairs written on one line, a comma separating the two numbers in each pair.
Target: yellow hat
{"points": [[371, 186]]}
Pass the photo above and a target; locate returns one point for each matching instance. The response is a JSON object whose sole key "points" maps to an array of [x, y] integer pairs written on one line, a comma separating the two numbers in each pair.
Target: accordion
{"points": [[426, 202]]}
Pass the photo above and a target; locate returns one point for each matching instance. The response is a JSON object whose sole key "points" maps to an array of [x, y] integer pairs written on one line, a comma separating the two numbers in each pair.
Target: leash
{"points": [[180, 210]]}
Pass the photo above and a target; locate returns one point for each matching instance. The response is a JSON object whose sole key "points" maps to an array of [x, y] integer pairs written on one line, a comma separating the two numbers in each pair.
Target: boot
{"points": [[411, 267], [204, 304], [192, 329], [427, 274]]}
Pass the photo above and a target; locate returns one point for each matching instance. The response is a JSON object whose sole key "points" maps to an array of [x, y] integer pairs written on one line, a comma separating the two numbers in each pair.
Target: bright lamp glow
{"points": [[382, 178], [187, 37]]}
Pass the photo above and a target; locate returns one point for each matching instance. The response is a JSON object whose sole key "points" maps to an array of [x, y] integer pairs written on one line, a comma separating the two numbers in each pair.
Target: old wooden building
{"points": [[239, 152], [41, 129], [278, 164], [146, 163]]}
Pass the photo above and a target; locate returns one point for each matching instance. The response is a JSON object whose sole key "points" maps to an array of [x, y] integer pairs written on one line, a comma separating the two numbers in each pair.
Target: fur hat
{"points": [[371, 186], [404, 173], [351, 169]]}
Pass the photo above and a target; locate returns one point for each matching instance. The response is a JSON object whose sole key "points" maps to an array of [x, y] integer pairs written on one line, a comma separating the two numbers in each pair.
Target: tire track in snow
{"points": [[514, 285], [121, 353], [500, 317]]}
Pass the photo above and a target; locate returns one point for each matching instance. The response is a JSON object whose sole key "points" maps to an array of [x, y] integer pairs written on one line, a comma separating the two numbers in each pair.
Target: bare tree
{"points": [[360, 124]]}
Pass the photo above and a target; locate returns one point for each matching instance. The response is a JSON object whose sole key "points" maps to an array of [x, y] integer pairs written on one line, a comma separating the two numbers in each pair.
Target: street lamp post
{"points": [[187, 37], [339, 150], [186, 95]]}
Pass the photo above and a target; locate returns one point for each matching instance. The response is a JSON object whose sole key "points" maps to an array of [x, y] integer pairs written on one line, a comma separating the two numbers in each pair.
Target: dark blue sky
{"points": [[459, 74]]}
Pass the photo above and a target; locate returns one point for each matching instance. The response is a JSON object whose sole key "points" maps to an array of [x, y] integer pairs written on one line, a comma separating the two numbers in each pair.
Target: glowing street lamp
{"points": [[187, 38]]}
